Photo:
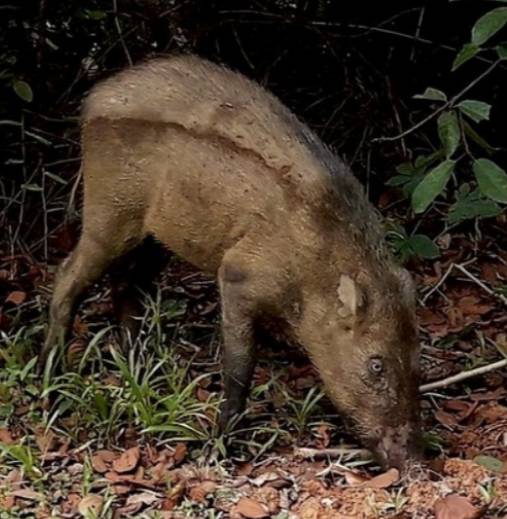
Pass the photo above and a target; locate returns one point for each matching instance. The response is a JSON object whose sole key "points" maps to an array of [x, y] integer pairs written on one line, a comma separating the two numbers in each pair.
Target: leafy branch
{"points": [[455, 119]]}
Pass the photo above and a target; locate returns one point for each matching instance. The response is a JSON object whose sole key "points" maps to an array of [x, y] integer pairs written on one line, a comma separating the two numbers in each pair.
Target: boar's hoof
{"points": [[229, 415]]}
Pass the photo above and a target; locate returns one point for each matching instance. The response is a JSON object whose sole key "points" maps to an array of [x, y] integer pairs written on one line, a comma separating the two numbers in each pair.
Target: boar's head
{"points": [[364, 344]]}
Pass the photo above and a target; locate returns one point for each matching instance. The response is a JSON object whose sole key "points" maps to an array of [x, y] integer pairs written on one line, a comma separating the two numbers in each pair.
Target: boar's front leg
{"points": [[238, 336]]}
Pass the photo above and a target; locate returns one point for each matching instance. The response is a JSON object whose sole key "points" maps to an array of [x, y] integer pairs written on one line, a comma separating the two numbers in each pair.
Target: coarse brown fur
{"points": [[224, 175]]}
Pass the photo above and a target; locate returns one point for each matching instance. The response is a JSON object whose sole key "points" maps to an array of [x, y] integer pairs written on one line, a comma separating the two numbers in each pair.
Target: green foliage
{"points": [[489, 462], [471, 204], [411, 174], [456, 134], [449, 132], [432, 94], [92, 14], [488, 25], [501, 51], [431, 186], [468, 51], [477, 110], [23, 90], [492, 179], [414, 246], [303, 409]]}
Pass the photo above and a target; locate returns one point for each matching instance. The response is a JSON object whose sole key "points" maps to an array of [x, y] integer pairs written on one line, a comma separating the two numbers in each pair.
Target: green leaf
{"points": [[467, 52], [488, 25], [448, 131], [398, 180], [422, 161], [470, 205], [431, 186], [492, 180], [102, 405], [501, 50], [489, 462], [476, 110], [423, 246], [405, 168], [92, 14], [480, 141], [433, 94], [23, 90]]}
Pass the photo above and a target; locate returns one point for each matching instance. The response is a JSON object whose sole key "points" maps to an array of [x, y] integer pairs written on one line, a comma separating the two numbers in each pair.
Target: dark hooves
{"points": [[228, 417]]}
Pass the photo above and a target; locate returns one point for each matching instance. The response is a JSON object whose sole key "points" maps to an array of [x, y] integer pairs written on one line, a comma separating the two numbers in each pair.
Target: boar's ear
{"points": [[407, 286], [349, 295]]}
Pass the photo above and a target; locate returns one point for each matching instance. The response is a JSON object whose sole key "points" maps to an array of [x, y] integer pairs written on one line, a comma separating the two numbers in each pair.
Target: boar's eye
{"points": [[375, 366]]}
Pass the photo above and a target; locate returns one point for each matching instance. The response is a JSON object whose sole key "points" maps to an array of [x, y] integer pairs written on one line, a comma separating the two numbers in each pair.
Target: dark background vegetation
{"points": [[349, 69]]}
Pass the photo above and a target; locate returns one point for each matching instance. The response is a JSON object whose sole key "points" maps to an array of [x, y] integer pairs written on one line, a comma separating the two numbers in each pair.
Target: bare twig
{"points": [[443, 278], [476, 280], [120, 33], [438, 285], [440, 109], [382, 30], [462, 376], [417, 31], [307, 452]]}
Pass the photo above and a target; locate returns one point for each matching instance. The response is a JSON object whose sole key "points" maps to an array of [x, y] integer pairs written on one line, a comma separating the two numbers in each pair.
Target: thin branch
{"points": [[441, 108], [120, 33], [417, 31], [307, 452], [476, 280], [441, 281], [390, 32], [462, 376]]}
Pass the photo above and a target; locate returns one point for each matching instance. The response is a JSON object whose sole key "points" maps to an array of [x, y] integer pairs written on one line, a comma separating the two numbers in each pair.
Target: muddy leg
{"points": [[131, 279], [238, 356], [83, 267]]}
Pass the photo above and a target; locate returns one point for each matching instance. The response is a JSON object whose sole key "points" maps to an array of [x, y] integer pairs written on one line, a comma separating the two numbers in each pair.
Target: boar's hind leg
{"points": [[131, 279], [238, 337], [82, 268]]}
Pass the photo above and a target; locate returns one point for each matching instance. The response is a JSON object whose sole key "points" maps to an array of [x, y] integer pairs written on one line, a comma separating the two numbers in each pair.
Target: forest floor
{"points": [[111, 437]]}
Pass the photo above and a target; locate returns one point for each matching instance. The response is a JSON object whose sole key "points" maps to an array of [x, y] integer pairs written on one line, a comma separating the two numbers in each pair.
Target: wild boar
{"points": [[218, 170]]}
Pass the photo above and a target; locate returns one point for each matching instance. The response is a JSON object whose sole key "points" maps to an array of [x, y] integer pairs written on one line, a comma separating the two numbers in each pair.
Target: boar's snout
{"points": [[397, 446]]}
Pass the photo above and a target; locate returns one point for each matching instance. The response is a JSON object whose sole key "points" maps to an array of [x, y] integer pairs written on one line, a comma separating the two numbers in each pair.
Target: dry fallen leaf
{"points": [[144, 498], [251, 509], [45, 440], [98, 464], [7, 502], [245, 469], [383, 480], [447, 419], [310, 509], [5, 436], [90, 505], [180, 451], [264, 478], [454, 506], [201, 394], [354, 479], [127, 461], [16, 298], [200, 491], [69, 505], [27, 493]]}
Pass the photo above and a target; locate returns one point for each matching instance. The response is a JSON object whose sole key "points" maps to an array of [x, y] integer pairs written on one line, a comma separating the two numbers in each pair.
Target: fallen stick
{"points": [[462, 376], [308, 452]]}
